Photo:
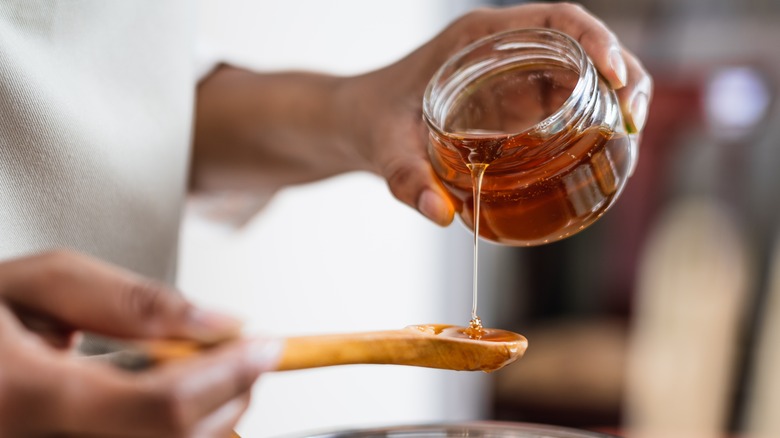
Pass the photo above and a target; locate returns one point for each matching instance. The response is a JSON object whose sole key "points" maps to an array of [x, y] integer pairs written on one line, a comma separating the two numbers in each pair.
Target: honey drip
{"points": [[475, 329]]}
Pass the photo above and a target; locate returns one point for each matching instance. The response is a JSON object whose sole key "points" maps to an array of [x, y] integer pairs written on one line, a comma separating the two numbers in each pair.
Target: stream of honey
{"points": [[475, 329]]}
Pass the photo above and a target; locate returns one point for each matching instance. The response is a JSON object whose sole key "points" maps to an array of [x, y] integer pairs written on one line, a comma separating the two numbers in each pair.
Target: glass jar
{"points": [[528, 108]]}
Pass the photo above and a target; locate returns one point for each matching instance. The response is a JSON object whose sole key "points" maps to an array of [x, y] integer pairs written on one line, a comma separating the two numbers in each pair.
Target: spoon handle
{"points": [[393, 347], [414, 345], [387, 347]]}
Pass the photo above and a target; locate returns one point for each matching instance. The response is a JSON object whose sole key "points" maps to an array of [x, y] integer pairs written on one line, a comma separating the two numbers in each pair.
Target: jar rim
{"points": [[525, 35]]}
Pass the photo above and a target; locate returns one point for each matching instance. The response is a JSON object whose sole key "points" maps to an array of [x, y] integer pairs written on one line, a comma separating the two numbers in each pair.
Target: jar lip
{"points": [[519, 36]]}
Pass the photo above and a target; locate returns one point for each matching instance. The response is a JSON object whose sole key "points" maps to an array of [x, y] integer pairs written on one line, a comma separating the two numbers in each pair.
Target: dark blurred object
{"points": [[713, 130], [484, 429], [573, 374]]}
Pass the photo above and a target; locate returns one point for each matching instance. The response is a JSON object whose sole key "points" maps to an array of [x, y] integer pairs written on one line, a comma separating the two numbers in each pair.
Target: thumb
{"points": [[90, 295]]}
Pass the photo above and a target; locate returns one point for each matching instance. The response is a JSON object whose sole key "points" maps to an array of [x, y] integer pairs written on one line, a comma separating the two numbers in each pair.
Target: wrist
{"points": [[353, 119]]}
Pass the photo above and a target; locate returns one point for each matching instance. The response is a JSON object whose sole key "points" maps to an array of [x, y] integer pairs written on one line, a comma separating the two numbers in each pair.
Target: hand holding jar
{"points": [[395, 144], [266, 131]]}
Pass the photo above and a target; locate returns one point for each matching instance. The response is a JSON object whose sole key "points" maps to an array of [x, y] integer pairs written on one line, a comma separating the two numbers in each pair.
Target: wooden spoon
{"points": [[431, 346]]}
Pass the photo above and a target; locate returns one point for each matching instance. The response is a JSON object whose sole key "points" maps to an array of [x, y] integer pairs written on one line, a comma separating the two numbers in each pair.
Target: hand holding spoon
{"points": [[432, 346]]}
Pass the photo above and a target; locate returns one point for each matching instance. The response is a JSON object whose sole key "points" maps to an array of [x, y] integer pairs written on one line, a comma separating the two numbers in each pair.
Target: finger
{"points": [[221, 375], [622, 70], [23, 329], [91, 295], [10, 326], [171, 400], [636, 95], [598, 41], [601, 45], [221, 422], [411, 180]]}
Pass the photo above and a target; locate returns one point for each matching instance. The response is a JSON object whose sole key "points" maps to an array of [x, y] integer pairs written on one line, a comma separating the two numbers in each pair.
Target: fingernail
{"points": [[212, 326], [639, 111], [432, 206], [264, 354], [618, 65]]}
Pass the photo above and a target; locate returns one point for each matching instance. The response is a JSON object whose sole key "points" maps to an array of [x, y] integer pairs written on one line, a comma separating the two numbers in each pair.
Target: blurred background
{"points": [[662, 319]]}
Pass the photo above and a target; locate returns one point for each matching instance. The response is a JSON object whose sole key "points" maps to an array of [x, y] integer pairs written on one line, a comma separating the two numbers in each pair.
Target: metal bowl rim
{"points": [[494, 427]]}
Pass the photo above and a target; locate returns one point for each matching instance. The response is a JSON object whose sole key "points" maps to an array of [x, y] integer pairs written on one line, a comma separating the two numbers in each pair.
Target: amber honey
{"points": [[486, 334], [531, 195]]}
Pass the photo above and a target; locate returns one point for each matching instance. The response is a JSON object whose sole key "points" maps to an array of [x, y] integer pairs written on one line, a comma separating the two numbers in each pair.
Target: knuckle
{"points": [[398, 179], [59, 254], [469, 23], [59, 265], [479, 14], [169, 407], [398, 176], [145, 299], [243, 379], [572, 7], [568, 10], [58, 258]]}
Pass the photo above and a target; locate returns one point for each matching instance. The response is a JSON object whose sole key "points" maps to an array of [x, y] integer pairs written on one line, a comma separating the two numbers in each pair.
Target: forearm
{"points": [[264, 131]]}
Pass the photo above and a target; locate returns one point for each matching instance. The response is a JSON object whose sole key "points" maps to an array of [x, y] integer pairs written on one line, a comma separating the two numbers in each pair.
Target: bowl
{"points": [[471, 429]]}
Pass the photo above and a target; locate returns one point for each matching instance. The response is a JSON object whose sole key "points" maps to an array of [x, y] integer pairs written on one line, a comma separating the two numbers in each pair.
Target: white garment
{"points": [[96, 103]]}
